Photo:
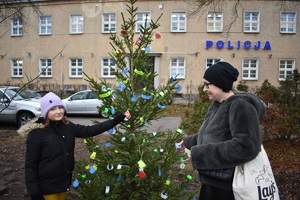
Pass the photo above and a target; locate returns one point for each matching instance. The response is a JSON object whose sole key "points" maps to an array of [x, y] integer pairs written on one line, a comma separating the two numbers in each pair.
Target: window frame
{"points": [[78, 68], [207, 65], [249, 69], [286, 70], [109, 23], [47, 25], [251, 22], [18, 67], [18, 27], [77, 24], [178, 67], [214, 21], [287, 23], [48, 68], [140, 23], [178, 22], [110, 64]]}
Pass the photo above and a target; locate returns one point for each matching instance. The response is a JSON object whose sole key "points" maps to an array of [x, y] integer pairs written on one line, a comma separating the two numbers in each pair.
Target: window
{"points": [[288, 22], [76, 67], [108, 68], [142, 19], [45, 25], [251, 22], [109, 23], [45, 67], [286, 68], [215, 21], [177, 67], [212, 61], [250, 69], [178, 22], [16, 27], [76, 24], [16, 68]]}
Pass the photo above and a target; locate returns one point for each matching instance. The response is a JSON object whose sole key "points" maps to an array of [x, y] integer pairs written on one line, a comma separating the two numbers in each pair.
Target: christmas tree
{"points": [[134, 164]]}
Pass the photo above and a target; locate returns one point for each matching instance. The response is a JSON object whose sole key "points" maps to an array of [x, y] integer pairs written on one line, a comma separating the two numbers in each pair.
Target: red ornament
{"points": [[142, 174], [123, 32], [127, 114], [157, 35]]}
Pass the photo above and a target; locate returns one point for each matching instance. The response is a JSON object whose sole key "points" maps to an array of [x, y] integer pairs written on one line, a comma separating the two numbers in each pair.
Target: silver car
{"points": [[18, 106], [83, 102]]}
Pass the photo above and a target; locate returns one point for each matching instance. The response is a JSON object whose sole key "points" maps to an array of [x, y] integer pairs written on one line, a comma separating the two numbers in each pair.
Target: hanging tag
{"points": [[142, 165], [182, 165], [107, 189], [164, 195], [168, 182], [178, 146], [110, 167], [119, 166], [159, 172], [93, 155], [187, 151]]}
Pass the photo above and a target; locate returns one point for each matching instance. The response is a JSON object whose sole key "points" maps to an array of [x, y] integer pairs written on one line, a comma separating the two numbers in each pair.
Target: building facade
{"points": [[66, 38]]}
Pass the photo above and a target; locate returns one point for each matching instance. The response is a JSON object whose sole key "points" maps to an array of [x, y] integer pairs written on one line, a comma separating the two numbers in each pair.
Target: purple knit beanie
{"points": [[49, 101]]}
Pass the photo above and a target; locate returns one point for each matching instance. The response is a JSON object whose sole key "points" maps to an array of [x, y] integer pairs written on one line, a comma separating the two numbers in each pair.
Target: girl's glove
{"points": [[119, 118]]}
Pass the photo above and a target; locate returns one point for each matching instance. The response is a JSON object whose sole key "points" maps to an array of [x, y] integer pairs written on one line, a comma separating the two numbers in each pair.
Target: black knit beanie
{"points": [[222, 75]]}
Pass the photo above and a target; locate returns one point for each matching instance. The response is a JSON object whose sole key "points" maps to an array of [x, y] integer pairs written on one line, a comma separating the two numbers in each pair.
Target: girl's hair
{"points": [[64, 120]]}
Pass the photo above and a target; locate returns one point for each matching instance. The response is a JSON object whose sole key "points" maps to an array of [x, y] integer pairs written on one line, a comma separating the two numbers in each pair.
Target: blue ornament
{"points": [[179, 88], [133, 99], [126, 70], [174, 78], [75, 183], [119, 178], [122, 86], [162, 106], [111, 131], [112, 110], [107, 144], [92, 170], [146, 96], [159, 172], [148, 48]]}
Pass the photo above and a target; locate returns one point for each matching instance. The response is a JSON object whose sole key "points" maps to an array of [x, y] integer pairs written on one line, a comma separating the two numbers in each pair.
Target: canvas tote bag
{"points": [[254, 180]]}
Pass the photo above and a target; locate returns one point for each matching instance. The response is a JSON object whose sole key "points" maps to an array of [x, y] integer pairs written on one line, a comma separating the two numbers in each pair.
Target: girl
{"points": [[50, 149]]}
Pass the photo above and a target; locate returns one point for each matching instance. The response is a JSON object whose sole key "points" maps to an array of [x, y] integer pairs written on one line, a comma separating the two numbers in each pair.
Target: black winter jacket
{"points": [[229, 136], [50, 153]]}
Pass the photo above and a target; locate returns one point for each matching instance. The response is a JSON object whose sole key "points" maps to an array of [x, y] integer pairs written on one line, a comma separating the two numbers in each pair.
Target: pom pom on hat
{"points": [[49, 101], [222, 75]]}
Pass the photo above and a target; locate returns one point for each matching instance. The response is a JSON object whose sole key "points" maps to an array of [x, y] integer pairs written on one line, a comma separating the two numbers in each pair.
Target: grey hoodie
{"points": [[229, 136]]}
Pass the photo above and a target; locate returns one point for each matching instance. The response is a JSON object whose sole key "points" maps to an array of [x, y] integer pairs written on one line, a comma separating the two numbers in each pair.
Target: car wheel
{"points": [[23, 118], [103, 115]]}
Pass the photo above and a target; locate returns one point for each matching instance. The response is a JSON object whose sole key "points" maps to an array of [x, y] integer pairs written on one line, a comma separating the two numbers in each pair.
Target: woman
{"points": [[230, 134], [50, 149]]}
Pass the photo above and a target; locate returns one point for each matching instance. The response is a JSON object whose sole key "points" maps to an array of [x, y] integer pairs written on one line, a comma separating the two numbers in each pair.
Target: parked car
{"points": [[18, 106], [38, 94], [83, 102]]}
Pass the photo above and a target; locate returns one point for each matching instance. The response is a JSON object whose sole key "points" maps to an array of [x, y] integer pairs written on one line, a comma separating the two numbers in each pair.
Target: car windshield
{"points": [[18, 94]]}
